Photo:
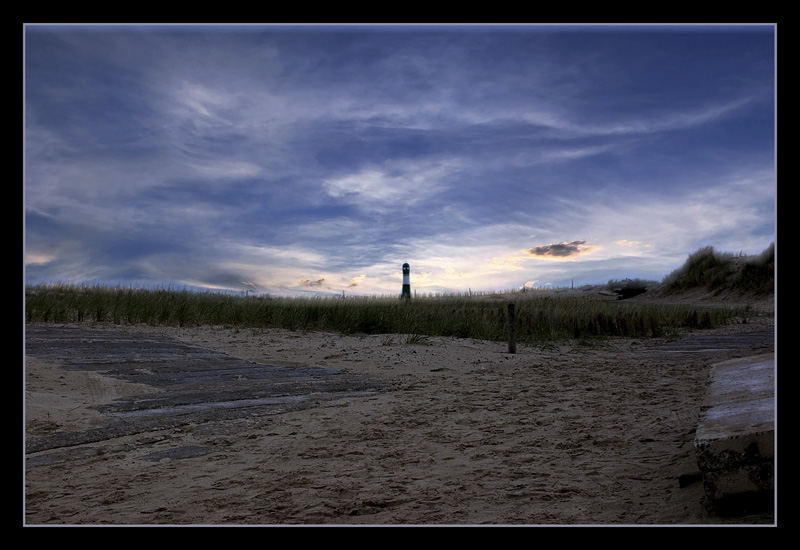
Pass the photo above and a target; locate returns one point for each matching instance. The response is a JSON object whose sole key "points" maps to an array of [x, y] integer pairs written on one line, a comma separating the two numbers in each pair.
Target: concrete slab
{"points": [[735, 438]]}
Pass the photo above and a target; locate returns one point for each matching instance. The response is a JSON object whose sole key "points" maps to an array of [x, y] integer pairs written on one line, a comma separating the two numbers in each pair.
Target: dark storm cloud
{"points": [[558, 249]]}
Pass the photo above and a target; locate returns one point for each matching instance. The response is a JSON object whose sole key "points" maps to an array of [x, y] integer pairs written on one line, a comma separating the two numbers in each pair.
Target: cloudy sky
{"points": [[294, 160]]}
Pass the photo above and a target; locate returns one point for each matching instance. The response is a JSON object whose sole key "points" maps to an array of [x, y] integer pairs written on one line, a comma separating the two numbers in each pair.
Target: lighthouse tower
{"points": [[406, 294]]}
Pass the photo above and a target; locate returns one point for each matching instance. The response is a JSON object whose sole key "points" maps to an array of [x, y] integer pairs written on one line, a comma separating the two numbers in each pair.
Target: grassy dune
{"points": [[541, 315], [719, 271]]}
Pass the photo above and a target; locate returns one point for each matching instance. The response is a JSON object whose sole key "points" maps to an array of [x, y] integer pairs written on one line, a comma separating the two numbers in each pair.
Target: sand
{"points": [[465, 434]]}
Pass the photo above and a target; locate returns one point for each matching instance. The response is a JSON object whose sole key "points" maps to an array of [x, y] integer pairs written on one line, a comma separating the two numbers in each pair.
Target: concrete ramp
{"points": [[735, 438]]}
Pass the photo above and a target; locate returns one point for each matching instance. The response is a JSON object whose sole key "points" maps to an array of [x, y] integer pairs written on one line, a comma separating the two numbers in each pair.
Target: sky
{"points": [[301, 160]]}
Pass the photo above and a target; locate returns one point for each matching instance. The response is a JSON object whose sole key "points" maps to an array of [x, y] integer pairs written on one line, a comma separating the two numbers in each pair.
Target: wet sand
{"points": [[463, 433]]}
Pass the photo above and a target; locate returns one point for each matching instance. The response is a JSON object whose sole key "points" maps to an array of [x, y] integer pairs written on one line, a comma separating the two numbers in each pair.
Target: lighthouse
{"points": [[406, 294]]}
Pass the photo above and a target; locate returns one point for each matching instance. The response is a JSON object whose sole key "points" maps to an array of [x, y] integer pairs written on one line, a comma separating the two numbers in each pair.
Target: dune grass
{"points": [[540, 315], [718, 271]]}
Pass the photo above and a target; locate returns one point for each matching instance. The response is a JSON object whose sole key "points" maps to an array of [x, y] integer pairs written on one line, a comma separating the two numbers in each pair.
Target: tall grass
{"points": [[717, 271], [540, 315], [758, 274]]}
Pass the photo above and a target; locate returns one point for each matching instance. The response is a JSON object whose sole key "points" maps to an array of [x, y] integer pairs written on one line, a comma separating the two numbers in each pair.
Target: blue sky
{"points": [[296, 160]]}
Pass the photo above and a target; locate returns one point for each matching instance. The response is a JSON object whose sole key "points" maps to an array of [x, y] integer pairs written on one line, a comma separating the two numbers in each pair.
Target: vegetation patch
{"points": [[540, 316], [719, 271]]}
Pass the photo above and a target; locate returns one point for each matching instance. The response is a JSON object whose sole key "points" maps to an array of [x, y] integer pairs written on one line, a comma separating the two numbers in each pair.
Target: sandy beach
{"points": [[576, 433]]}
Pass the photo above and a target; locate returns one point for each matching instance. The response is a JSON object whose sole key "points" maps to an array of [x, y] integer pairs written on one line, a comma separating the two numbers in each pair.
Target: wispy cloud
{"points": [[671, 120], [226, 169], [301, 160], [355, 281], [33, 258], [393, 183], [309, 282]]}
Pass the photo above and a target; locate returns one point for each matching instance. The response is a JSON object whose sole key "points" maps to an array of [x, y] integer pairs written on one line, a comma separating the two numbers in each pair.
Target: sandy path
{"points": [[466, 434]]}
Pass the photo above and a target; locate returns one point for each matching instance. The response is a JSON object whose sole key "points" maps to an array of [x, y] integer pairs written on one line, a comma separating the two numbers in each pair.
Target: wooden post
{"points": [[512, 321]]}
